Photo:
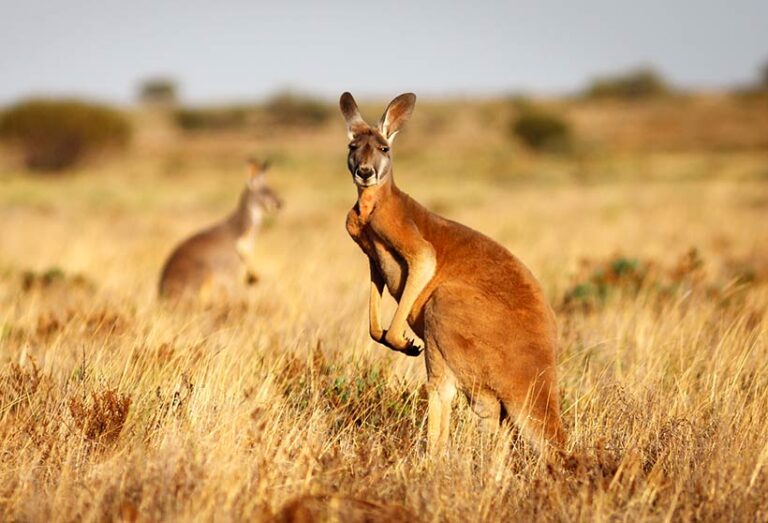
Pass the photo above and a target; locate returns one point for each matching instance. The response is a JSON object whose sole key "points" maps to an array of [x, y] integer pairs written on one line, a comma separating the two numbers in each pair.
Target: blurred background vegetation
{"points": [[636, 110]]}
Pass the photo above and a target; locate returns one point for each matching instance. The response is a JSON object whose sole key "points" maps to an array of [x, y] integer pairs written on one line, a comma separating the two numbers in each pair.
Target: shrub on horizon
{"points": [[542, 130], [291, 109], [637, 84], [215, 119], [57, 134]]}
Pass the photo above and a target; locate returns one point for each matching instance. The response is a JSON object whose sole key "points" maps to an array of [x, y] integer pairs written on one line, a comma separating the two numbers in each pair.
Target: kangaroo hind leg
{"points": [[441, 387], [487, 407]]}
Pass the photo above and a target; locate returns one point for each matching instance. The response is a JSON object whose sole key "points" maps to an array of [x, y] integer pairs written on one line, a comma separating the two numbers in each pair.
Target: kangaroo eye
{"points": [[352, 146], [384, 149]]}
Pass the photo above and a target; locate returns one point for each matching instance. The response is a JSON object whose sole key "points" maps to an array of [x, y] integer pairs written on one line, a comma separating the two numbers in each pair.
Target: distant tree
{"points": [[636, 84], [158, 92], [764, 76]]}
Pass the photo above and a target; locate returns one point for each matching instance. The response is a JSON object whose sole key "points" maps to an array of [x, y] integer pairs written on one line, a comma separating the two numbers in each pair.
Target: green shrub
{"points": [[600, 280], [56, 134], [543, 131], [289, 109], [218, 119], [637, 84]]}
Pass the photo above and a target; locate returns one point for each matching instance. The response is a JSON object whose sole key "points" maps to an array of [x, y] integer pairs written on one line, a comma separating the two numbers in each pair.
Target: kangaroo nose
{"points": [[365, 172]]}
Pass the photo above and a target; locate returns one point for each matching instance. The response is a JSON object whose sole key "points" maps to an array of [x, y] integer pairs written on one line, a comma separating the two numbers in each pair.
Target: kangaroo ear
{"points": [[256, 170], [355, 122], [398, 112]]}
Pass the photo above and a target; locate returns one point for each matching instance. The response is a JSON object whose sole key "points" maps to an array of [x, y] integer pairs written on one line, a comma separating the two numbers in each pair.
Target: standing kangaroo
{"points": [[216, 259], [487, 327]]}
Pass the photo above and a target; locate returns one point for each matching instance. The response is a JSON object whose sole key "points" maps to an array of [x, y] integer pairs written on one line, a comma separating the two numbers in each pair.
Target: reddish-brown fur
{"points": [[487, 327]]}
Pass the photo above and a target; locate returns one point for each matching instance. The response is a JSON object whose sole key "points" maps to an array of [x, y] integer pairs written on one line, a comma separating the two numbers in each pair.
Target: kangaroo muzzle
{"points": [[365, 176]]}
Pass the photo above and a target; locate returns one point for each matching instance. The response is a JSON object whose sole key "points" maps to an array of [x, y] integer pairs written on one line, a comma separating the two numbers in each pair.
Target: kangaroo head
{"points": [[259, 196], [369, 158]]}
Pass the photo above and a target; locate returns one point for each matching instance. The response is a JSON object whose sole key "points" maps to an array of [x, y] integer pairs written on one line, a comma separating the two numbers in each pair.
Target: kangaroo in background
{"points": [[486, 324], [217, 259]]}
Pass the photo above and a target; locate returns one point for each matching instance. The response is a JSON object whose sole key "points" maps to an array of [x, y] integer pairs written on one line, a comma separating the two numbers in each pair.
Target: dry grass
{"points": [[278, 406]]}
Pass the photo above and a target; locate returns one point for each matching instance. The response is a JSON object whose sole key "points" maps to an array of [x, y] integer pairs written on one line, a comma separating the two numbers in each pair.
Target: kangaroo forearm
{"points": [[245, 252], [374, 305], [420, 272]]}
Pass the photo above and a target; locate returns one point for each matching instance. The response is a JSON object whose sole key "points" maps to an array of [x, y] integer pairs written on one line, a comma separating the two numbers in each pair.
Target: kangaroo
{"points": [[486, 326], [214, 260]]}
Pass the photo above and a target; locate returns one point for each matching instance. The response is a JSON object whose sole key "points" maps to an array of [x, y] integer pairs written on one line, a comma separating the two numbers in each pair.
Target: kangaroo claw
{"points": [[408, 348]]}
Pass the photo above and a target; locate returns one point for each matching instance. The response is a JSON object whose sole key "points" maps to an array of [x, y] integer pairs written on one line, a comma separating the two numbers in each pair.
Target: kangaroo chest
{"points": [[245, 244], [390, 264]]}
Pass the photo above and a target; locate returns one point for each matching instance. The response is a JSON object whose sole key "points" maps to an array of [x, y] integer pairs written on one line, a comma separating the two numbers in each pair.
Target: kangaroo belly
{"points": [[392, 268]]}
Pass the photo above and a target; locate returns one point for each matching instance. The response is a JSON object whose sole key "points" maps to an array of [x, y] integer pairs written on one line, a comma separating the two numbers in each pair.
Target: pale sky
{"points": [[244, 50]]}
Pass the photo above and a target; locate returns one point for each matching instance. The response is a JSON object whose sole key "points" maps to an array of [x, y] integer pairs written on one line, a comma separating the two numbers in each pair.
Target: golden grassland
{"points": [[277, 406]]}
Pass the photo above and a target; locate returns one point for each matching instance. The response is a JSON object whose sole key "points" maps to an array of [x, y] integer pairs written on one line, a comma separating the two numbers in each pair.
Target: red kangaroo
{"points": [[485, 322]]}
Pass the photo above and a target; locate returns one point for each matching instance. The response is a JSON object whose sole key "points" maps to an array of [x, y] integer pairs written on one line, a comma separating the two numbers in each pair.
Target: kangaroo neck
{"points": [[369, 198], [240, 220]]}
